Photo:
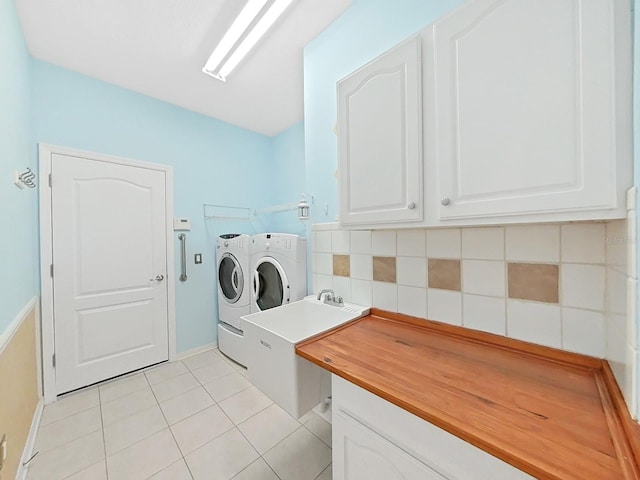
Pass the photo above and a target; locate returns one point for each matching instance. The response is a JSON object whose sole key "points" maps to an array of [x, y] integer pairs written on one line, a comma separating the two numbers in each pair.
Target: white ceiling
{"points": [[158, 48]]}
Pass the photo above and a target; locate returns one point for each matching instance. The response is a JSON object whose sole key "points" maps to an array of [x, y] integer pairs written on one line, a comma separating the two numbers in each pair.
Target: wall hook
{"points": [[25, 179]]}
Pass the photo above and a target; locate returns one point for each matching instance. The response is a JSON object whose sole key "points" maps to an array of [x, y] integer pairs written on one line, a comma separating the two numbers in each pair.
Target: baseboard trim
{"points": [[195, 351], [13, 327], [21, 474]]}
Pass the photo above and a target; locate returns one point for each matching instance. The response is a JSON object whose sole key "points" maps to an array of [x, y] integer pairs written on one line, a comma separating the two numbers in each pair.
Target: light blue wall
{"points": [[289, 179], [288, 154], [18, 208], [214, 162], [364, 31]]}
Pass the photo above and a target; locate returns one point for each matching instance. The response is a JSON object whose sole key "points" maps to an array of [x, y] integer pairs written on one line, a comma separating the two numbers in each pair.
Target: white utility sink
{"points": [[271, 337]]}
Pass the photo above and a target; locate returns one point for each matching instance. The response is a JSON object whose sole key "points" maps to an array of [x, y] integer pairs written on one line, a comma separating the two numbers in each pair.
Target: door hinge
{"points": [[53, 360], [50, 184], [51, 270]]}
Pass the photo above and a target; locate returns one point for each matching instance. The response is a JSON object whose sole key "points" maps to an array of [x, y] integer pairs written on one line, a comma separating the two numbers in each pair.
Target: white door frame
{"points": [[45, 152]]}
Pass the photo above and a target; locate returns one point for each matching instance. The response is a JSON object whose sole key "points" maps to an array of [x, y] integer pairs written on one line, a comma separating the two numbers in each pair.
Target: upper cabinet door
{"points": [[380, 139], [526, 116]]}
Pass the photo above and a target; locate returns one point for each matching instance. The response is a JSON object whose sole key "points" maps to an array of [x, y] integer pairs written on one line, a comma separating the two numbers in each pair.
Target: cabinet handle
{"points": [[445, 201], [411, 206]]}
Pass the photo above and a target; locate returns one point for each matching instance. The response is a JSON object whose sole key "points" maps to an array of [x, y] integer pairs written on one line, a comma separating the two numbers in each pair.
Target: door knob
{"points": [[158, 278], [411, 206], [445, 201]]}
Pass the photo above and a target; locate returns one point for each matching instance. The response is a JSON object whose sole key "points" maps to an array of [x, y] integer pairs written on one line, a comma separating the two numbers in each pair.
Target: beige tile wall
{"points": [[18, 382], [545, 284]]}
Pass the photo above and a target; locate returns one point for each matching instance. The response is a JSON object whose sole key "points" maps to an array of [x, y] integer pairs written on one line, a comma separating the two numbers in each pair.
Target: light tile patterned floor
{"points": [[195, 419]]}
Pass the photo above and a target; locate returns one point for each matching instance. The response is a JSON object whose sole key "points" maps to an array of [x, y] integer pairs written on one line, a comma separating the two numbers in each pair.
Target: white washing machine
{"points": [[279, 270], [234, 291]]}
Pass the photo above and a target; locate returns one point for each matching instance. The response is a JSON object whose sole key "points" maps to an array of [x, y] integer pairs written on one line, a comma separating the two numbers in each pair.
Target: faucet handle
{"points": [[331, 299], [329, 294]]}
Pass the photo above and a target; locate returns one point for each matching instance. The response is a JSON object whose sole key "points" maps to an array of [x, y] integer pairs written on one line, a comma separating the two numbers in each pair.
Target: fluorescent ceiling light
{"points": [[238, 27], [220, 63]]}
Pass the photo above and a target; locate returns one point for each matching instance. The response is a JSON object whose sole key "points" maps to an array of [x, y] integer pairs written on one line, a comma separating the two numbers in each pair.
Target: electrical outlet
{"points": [[3, 450]]}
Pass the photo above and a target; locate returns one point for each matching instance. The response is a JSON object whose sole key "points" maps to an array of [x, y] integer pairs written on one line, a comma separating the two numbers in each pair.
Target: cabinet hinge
{"points": [[53, 360], [51, 270], [50, 184]]}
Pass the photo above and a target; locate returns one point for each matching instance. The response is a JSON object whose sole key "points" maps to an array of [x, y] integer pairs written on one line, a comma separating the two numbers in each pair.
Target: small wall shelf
{"points": [[287, 207], [226, 213]]}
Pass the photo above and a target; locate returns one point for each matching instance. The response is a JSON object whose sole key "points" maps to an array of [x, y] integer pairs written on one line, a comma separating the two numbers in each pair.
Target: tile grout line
{"points": [[317, 436], [161, 412], [561, 269], [232, 422], [104, 440], [506, 282], [282, 440], [201, 385], [261, 456], [236, 426], [142, 439], [69, 415], [71, 440], [78, 438], [102, 425], [170, 431], [77, 471], [322, 472]]}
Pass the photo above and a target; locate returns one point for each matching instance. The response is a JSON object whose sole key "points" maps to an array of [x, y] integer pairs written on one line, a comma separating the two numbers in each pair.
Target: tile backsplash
{"points": [[541, 283], [569, 286]]}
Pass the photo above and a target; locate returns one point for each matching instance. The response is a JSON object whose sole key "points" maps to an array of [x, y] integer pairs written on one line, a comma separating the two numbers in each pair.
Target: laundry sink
{"points": [[271, 337]]}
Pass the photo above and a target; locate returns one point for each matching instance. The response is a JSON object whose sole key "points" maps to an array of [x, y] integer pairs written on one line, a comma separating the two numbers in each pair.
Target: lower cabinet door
{"points": [[359, 453]]}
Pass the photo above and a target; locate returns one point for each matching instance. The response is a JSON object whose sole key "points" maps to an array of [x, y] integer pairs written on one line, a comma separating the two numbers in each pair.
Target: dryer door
{"points": [[230, 278], [270, 284]]}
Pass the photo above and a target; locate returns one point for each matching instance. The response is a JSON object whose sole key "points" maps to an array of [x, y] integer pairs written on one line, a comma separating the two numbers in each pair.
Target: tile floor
{"points": [[199, 418]]}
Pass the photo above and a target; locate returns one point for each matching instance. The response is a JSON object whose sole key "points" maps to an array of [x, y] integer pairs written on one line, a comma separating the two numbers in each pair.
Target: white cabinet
{"points": [[532, 102], [525, 111], [376, 440], [380, 139], [368, 456]]}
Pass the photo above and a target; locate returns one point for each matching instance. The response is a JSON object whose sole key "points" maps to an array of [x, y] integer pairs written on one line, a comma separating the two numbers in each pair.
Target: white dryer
{"points": [[279, 270], [234, 291]]}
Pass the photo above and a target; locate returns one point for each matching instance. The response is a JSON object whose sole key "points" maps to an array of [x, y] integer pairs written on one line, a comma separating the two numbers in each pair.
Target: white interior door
{"points": [[110, 267]]}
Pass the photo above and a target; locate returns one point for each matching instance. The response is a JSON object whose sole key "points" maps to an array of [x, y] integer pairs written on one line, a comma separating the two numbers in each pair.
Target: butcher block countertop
{"points": [[552, 414]]}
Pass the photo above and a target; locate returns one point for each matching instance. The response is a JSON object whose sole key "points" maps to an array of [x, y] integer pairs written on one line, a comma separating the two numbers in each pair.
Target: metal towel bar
{"points": [[183, 248]]}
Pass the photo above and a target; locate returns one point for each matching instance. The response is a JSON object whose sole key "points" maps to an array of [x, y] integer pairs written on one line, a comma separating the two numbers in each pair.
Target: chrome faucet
{"points": [[330, 298], [331, 293]]}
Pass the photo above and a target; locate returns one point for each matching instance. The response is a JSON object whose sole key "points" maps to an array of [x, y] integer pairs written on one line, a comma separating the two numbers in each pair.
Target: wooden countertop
{"points": [[552, 414]]}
